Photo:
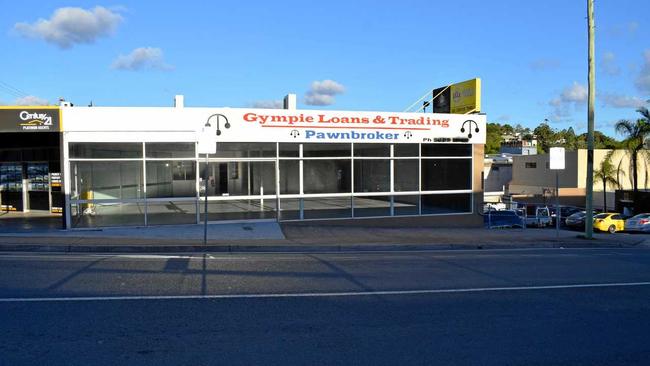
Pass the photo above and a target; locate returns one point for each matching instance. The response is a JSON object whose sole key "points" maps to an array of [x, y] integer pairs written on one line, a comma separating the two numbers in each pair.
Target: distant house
{"points": [[518, 147]]}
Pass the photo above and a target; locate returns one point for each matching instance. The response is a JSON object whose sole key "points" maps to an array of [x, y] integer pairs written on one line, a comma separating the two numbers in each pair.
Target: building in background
{"points": [[497, 174], [533, 181], [518, 146]]}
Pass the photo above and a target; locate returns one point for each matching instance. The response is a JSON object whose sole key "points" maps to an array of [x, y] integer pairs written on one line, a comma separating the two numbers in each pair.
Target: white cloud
{"points": [[574, 95], [642, 81], [69, 26], [323, 92], [608, 64], [31, 100], [328, 87], [268, 104], [142, 58], [621, 101]]}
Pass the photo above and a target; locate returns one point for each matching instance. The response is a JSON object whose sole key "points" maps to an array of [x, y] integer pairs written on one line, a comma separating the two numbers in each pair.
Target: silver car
{"points": [[640, 222]]}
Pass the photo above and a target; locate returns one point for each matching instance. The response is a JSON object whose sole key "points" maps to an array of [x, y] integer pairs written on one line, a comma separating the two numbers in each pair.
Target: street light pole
{"points": [[205, 198], [207, 161], [589, 224]]}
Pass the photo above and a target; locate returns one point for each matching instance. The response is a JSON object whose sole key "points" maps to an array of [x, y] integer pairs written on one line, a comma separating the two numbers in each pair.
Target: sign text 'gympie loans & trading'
{"points": [[361, 126]]}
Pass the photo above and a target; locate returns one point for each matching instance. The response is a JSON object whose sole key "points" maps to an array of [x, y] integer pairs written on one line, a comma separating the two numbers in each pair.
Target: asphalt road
{"points": [[500, 307]]}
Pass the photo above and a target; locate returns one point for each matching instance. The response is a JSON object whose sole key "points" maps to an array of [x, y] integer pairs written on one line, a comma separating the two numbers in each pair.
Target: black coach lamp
{"points": [[218, 115], [469, 122]]}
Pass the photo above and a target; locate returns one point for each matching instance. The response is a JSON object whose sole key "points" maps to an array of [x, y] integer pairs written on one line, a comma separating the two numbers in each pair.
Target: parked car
{"points": [[565, 211], [576, 220], [504, 218], [610, 221], [640, 222], [539, 216]]}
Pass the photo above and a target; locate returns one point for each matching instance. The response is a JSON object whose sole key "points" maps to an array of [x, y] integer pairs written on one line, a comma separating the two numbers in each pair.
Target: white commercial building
{"points": [[141, 166]]}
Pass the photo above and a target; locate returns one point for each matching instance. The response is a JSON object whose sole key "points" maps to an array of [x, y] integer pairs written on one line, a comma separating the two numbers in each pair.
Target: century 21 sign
{"points": [[31, 119]]}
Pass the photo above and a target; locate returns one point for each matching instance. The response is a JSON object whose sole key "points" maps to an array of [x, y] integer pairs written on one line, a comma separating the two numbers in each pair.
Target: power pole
{"points": [[589, 222]]}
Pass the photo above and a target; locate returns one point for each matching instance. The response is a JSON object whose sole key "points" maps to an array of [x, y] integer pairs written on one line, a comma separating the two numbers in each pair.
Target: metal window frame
{"points": [[278, 196]]}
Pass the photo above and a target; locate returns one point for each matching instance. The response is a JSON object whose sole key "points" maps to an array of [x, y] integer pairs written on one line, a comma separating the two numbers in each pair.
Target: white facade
{"points": [[140, 166]]}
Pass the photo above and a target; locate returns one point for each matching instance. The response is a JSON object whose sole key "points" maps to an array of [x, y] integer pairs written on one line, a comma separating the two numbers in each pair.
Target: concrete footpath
{"points": [[274, 237]]}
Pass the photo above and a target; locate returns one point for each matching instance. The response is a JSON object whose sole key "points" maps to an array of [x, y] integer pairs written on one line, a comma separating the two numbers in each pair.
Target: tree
{"points": [[608, 175], [493, 138], [637, 136], [507, 129], [570, 139], [545, 137]]}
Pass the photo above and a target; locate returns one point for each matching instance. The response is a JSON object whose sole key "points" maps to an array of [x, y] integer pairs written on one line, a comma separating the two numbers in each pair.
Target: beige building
{"points": [[533, 181]]}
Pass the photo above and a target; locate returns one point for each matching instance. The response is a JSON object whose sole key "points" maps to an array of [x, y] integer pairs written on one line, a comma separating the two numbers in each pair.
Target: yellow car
{"points": [[610, 221]]}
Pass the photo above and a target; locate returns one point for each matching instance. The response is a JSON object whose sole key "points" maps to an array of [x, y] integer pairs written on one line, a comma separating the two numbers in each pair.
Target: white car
{"points": [[539, 216], [640, 222]]}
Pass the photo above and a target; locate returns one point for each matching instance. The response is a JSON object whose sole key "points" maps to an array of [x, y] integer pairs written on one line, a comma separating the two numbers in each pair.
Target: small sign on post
{"points": [[207, 144], [556, 162], [556, 158]]}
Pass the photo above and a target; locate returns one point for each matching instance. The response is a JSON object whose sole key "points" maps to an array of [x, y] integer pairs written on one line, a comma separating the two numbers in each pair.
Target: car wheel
{"points": [[611, 229]]}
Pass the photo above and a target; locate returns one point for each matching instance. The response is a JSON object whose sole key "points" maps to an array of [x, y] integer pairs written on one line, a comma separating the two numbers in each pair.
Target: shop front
{"points": [[142, 166], [30, 162]]}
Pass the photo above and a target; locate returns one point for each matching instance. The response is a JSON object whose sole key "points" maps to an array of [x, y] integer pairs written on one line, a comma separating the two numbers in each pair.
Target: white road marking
{"points": [[495, 251], [322, 294]]}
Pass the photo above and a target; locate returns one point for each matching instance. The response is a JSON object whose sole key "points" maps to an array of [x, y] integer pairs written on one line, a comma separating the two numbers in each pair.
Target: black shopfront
{"points": [[30, 160]]}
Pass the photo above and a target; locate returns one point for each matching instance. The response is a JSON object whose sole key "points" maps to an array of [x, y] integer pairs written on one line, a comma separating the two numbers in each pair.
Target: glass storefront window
{"points": [[86, 215], [38, 175], [326, 150], [371, 175], [173, 150], [248, 169], [327, 207], [374, 150], [171, 179], [289, 176], [406, 150], [105, 150], [245, 150], [171, 212], [239, 178], [446, 150], [289, 150], [107, 180], [289, 209], [446, 203], [372, 206], [326, 176], [446, 174], [253, 209], [11, 177], [406, 205], [406, 175]]}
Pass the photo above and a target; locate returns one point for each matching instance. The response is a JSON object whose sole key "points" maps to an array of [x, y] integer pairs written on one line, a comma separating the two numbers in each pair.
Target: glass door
{"points": [[239, 190], [38, 186]]}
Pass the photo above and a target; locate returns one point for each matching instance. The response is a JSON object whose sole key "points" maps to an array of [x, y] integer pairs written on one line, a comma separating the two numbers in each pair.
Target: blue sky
{"points": [[350, 55]]}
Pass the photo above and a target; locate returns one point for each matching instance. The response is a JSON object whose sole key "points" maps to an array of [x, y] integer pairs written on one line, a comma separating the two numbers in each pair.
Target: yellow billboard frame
{"points": [[465, 96]]}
